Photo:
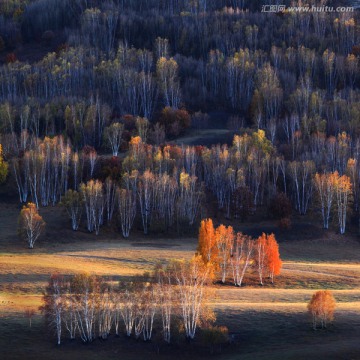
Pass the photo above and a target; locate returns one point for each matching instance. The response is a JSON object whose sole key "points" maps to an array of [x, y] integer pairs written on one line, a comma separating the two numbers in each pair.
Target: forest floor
{"points": [[267, 322]]}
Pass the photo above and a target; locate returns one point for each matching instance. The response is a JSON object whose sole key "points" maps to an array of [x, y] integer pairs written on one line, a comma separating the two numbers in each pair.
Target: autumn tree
{"points": [[113, 135], [69, 307], [91, 26], [43, 170], [191, 278], [76, 170], [110, 198], [267, 257], [325, 186], [127, 210], [328, 59], [166, 297], [261, 256], [258, 158], [269, 93], [73, 203], [167, 73], [241, 257], [166, 195], [54, 304], [86, 291], [92, 159], [273, 260], [150, 303], [189, 197], [240, 72], [129, 304], [175, 121], [31, 224], [142, 127], [136, 153], [321, 308], [301, 174], [224, 242], [146, 197], [207, 247], [20, 172], [105, 311], [144, 307], [343, 192], [93, 198], [216, 172], [352, 170], [115, 298]]}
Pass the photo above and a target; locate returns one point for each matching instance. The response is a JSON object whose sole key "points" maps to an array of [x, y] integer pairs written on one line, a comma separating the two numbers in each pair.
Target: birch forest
{"points": [[182, 156]]}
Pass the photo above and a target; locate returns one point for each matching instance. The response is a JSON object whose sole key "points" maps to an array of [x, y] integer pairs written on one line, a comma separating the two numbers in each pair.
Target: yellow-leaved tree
{"points": [[321, 307], [31, 224]]}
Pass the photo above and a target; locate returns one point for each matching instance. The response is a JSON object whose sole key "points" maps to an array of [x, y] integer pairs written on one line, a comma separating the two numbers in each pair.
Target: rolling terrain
{"points": [[260, 319]]}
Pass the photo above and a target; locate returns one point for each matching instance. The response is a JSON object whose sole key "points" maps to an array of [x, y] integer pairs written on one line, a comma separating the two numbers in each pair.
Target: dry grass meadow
{"points": [[267, 323]]}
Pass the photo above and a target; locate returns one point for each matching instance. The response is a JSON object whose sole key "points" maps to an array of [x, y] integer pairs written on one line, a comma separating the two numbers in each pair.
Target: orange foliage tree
{"points": [[31, 224], [207, 242], [225, 250], [135, 146], [321, 307], [267, 257], [273, 261], [216, 246]]}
